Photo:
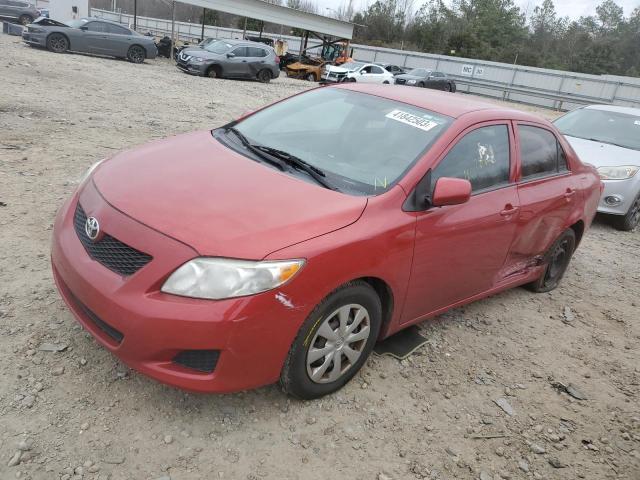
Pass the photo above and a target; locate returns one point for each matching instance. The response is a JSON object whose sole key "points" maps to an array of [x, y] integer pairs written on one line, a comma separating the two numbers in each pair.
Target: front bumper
{"points": [[625, 191], [34, 38], [191, 68], [252, 335]]}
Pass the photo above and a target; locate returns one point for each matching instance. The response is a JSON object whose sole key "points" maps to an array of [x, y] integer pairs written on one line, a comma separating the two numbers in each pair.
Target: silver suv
{"points": [[23, 12], [231, 59]]}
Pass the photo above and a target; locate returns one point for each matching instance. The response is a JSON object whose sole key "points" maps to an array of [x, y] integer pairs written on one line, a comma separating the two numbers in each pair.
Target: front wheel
{"points": [[333, 343], [57, 43], [631, 219], [557, 261], [421, 85], [310, 77], [447, 87], [136, 54], [264, 76]]}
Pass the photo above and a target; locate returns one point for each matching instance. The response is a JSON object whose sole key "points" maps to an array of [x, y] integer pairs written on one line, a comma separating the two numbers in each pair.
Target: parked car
{"points": [[393, 69], [356, 72], [231, 59], [90, 35], [608, 137], [23, 12], [283, 245], [421, 77]]}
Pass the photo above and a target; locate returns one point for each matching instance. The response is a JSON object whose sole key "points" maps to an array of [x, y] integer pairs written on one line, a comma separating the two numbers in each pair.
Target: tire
{"points": [[630, 220], [447, 87], [310, 77], [136, 54], [307, 377], [214, 72], [350, 80], [25, 19], [264, 76], [557, 260], [386, 82], [57, 43], [421, 85]]}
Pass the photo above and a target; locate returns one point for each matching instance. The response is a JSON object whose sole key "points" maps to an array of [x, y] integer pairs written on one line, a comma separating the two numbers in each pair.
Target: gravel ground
{"points": [[79, 413]]}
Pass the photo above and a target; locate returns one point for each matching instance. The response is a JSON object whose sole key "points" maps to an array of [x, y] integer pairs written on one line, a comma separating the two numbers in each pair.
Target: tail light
{"points": [[277, 59]]}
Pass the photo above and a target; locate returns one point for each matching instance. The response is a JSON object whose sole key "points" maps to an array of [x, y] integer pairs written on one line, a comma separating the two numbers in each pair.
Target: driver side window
{"points": [[481, 156]]}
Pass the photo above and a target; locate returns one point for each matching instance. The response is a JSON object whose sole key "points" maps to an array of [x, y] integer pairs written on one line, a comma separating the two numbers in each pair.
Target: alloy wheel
{"points": [[136, 54], [58, 44], [338, 343], [557, 263]]}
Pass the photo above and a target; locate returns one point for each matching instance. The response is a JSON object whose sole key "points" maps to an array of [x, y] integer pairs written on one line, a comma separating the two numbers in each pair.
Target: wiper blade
{"points": [[254, 149], [314, 172], [608, 143]]}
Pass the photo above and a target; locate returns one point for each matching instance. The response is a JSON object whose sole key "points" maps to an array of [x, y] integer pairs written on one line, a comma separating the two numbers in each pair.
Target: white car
{"points": [[357, 72], [608, 137]]}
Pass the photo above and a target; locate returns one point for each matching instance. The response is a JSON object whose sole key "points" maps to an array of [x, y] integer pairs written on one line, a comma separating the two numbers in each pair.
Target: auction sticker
{"points": [[411, 119]]}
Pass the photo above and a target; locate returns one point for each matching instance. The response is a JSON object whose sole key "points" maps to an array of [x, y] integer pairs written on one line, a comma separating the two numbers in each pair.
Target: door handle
{"points": [[569, 193], [509, 210]]}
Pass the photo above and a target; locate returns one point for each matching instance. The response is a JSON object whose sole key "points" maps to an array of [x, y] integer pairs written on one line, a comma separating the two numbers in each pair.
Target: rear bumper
{"points": [[252, 335], [623, 192]]}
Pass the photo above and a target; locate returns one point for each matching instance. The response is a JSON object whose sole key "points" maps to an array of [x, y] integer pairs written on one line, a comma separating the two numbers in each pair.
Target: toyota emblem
{"points": [[92, 228]]}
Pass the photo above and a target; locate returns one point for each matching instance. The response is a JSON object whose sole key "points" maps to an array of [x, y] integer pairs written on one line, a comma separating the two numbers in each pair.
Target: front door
{"points": [[94, 38], [238, 64], [460, 250]]}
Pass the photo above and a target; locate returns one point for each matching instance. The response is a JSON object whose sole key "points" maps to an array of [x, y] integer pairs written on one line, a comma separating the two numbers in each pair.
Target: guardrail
{"points": [[553, 89]]}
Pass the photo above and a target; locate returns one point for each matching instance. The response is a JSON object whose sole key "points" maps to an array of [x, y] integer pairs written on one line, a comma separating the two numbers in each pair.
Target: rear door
{"points": [[256, 59], [118, 40], [547, 192], [460, 250]]}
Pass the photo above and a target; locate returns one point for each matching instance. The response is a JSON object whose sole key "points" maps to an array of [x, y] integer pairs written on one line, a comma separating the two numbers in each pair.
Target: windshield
{"points": [[76, 23], [363, 143], [206, 42], [605, 126], [218, 47], [351, 66], [418, 72]]}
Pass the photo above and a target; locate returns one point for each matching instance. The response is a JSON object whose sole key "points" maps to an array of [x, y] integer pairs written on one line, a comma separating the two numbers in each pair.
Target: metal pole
{"points": [[173, 26], [135, 13], [244, 34], [204, 14]]}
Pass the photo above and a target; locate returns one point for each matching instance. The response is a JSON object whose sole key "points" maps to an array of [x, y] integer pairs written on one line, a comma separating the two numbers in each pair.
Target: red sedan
{"points": [[283, 245]]}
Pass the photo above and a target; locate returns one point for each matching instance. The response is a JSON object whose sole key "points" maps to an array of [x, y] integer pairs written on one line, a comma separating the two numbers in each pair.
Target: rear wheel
{"points": [[264, 76], [57, 43], [557, 258], [25, 19], [334, 342], [136, 54], [631, 219]]}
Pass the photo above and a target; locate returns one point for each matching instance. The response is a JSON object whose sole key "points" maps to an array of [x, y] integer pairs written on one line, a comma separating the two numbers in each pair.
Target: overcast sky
{"points": [[570, 8]]}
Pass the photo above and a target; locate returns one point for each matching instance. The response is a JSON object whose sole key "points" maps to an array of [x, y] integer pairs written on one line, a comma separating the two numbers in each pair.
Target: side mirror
{"points": [[231, 55], [451, 191], [84, 28]]}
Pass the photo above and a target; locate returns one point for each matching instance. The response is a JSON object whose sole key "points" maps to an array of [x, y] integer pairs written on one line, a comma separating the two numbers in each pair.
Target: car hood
{"points": [[334, 69], [601, 154], [221, 203], [406, 76], [200, 52]]}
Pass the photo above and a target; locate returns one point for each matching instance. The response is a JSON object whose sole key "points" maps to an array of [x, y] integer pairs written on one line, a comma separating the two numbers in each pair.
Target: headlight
{"points": [[617, 173], [90, 170], [411, 82], [197, 59], [36, 30], [218, 278]]}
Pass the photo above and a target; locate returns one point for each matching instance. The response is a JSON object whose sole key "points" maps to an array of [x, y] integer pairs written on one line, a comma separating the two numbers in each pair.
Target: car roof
{"points": [[236, 42], [615, 108], [452, 105], [97, 19]]}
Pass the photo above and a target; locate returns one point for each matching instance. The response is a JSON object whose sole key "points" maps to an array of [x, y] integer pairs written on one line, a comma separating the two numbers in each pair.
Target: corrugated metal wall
{"points": [[535, 86]]}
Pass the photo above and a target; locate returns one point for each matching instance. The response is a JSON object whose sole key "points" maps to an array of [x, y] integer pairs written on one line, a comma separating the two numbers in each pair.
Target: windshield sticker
{"points": [[637, 122], [411, 119]]}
